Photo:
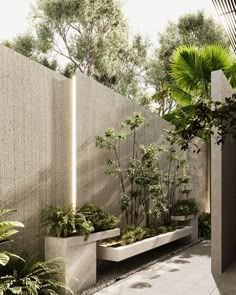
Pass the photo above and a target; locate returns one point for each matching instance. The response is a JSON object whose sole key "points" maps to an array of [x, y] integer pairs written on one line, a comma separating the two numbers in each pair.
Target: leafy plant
{"points": [[7, 230], [202, 119], [65, 222], [132, 234], [99, 218], [185, 207], [204, 225], [145, 181], [32, 277]]}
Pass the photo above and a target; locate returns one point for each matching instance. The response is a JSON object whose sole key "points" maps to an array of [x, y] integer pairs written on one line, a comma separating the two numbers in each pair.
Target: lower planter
{"points": [[182, 218], [190, 220], [120, 253], [79, 257]]}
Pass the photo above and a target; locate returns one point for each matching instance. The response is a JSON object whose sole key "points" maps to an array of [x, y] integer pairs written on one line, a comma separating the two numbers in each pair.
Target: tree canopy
{"points": [[93, 36], [194, 29]]}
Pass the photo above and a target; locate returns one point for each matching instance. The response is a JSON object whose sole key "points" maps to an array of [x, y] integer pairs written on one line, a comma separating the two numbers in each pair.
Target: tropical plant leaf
{"points": [[191, 68], [5, 236], [9, 224], [5, 211], [4, 258]]}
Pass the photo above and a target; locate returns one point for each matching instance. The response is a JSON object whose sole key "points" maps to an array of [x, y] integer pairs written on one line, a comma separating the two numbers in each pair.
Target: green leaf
{"points": [[4, 258], [5, 211]]}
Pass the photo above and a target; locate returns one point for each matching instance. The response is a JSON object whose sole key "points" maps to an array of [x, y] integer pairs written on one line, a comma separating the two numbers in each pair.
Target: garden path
{"points": [[188, 273]]}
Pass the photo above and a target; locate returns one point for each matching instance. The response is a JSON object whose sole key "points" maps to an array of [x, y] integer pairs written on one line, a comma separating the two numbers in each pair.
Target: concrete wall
{"points": [[35, 137], [98, 108], [198, 171], [223, 190]]}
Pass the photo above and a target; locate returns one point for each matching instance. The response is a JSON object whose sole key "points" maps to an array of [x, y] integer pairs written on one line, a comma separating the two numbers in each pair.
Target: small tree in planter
{"points": [[185, 208], [151, 189]]}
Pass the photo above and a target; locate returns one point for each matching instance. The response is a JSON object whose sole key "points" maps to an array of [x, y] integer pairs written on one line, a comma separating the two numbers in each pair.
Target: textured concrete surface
{"points": [[35, 136], [99, 108], [79, 257], [35, 164], [127, 251], [188, 273], [223, 201]]}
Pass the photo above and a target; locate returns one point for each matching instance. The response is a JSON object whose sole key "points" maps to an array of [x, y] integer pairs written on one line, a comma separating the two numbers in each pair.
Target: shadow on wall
{"points": [[35, 143]]}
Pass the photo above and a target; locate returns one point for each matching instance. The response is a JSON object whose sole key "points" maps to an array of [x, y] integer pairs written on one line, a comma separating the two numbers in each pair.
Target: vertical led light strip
{"points": [[74, 143]]}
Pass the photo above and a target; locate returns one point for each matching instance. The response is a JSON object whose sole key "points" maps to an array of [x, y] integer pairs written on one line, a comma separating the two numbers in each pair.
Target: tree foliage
{"points": [[144, 181], [27, 45], [193, 29], [190, 70], [204, 119], [90, 36]]}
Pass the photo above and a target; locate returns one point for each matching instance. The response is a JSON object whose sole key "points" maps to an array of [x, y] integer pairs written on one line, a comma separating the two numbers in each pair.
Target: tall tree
{"points": [[89, 35], [26, 44], [194, 29]]}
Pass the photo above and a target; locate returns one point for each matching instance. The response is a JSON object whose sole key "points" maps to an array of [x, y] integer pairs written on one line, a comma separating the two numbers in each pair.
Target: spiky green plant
{"points": [[64, 222], [7, 230], [100, 219], [32, 277]]}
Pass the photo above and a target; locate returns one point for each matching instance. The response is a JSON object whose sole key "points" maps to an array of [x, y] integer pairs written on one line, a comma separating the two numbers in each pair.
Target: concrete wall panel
{"points": [[223, 189], [98, 108], [35, 141]]}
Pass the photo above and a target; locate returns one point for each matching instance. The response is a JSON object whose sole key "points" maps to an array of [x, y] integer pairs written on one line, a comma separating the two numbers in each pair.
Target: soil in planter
{"points": [[116, 243]]}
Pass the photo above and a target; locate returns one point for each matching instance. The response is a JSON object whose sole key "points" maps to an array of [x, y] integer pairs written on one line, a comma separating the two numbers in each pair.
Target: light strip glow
{"points": [[74, 143]]}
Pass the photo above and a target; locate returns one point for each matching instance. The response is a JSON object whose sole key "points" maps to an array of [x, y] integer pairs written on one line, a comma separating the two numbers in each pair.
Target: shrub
{"points": [[7, 230], [132, 234], [65, 222], [204, 225], [31, 276], [100, 219], [185, 207], [148, 189]]}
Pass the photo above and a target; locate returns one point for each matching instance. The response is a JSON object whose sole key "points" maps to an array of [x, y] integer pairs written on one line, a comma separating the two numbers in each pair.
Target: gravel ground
{"points": [[110, 272]]}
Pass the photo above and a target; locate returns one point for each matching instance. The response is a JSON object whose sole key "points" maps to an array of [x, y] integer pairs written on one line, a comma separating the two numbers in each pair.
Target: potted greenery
{"points": [[148, 190], [72, 234], [184, 209], [137, 240]]}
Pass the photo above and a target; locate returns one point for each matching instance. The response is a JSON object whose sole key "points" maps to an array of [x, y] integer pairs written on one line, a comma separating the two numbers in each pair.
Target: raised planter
{"points": [[120, 253], [190, 220], [182, 218], [79, 257]]}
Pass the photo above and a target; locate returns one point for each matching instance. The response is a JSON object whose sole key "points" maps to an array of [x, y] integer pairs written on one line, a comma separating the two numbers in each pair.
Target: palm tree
{"points": [[190, 71]]}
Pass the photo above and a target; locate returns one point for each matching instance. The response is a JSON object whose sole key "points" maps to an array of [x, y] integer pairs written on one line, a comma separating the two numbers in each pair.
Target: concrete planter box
{"points": [[79, 257], [120, 253], [190, 220], [183, 218]]}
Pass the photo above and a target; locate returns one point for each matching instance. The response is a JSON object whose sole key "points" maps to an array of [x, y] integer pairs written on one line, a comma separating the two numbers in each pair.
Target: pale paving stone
{"points": [[188, 273]]}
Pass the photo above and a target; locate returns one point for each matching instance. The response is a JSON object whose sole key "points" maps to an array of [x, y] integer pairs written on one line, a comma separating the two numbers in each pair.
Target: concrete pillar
{"points": [[223, 201]]}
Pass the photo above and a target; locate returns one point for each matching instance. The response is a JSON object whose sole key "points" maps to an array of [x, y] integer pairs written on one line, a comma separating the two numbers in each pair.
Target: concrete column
{"points": [[223, 201]]}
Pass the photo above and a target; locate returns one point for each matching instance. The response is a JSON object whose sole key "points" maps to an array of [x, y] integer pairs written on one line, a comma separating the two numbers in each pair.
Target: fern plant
{"points": [[32, 277], [65, 222], [7, 230], [100, 219]]}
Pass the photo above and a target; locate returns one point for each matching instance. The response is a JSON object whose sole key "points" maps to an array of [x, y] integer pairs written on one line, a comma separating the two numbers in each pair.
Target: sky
{"points": [[145, 16]]}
